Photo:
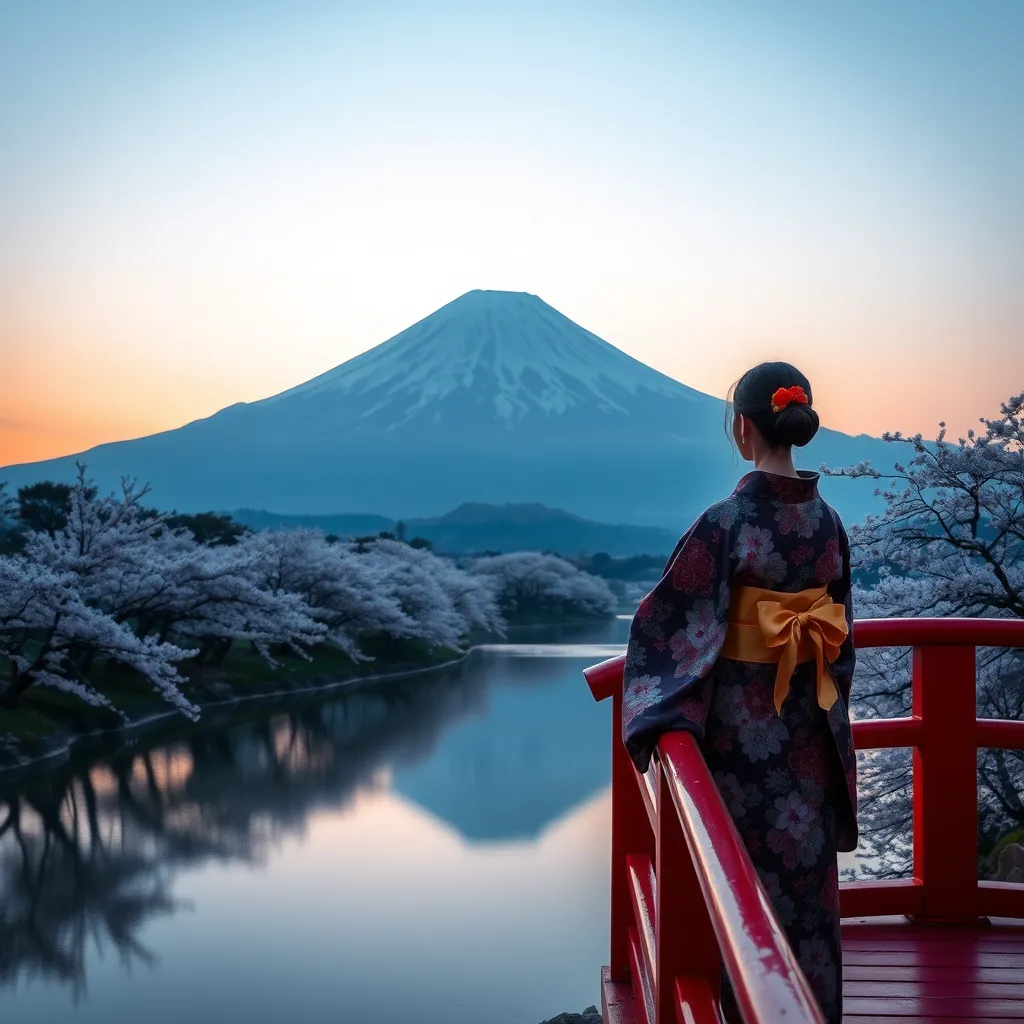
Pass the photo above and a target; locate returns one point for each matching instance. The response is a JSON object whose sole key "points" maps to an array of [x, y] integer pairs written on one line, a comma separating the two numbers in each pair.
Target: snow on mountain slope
{"points": [[511, 347]]}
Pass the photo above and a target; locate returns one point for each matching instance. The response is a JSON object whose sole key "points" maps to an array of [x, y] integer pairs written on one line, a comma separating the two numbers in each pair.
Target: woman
{"points": [[747, 642]]}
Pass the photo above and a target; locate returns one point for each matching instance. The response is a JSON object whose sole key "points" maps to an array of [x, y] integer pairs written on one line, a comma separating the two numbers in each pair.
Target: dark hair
{"points": [[752, 394]]}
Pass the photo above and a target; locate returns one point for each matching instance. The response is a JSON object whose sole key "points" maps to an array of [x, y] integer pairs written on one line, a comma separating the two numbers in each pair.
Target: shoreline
{"points": [[61, 753]]}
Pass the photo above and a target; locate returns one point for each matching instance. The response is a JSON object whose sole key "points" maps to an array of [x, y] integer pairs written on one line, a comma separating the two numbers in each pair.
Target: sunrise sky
{"points": [[208, 202]]}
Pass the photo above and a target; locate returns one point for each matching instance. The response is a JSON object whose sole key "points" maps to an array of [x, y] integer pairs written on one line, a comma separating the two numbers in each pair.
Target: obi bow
{"points": [[823, 625], [769, 626]]}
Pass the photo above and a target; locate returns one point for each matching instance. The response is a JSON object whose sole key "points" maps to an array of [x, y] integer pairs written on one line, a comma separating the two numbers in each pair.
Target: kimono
{"points": [[787, 775]]}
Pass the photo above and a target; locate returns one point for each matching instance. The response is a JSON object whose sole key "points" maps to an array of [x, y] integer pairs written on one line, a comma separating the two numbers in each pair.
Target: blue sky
{"points": [[202, 203]]}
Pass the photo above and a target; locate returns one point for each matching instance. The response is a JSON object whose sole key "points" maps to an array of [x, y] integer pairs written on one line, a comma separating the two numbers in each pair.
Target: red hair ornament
{"points": [[784, 396]]}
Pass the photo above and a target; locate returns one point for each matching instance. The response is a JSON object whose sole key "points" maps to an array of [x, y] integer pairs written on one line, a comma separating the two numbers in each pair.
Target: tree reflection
{"points": [[88, 854], [65, 883]]}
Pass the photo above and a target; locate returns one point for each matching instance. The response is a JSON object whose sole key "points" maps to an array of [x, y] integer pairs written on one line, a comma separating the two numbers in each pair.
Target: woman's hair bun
{"points": [[795, 425], [755, 393]]}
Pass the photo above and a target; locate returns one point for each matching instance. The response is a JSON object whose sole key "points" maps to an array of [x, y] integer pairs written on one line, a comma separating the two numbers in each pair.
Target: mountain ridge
{"points": [[474, 527], [528, 512]]}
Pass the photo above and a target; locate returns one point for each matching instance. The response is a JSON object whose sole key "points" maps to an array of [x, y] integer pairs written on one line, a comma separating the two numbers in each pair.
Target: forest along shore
{"points": [[44, 730], [113, 614]]}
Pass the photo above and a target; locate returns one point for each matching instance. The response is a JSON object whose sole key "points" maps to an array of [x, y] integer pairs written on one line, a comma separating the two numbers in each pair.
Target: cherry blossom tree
{"points": [[132, 566], [52, 622], [473, 598], [339, 586], [529, 583], [110, 548], [443, 601], [221, 600], [43, 619], [950, 542]]}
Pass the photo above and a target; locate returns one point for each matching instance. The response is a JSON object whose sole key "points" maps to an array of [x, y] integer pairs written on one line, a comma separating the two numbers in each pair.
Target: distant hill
{"points": [[353, 525], [479, 527]]}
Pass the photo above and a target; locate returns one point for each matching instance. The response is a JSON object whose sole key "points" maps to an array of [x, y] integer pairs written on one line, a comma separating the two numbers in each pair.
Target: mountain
{"points": [[342, 525], [495, 398], [535, 527], [477, 527]]}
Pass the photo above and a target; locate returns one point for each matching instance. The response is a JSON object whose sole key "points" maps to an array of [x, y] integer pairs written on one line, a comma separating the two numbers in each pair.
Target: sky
{"points": [[208, 202]]}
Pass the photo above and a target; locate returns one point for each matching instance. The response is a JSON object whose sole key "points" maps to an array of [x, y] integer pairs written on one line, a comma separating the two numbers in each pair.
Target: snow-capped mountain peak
{"points": [[511, 347]]}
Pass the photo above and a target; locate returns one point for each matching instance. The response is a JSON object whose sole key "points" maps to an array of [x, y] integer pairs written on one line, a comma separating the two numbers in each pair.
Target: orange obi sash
{"points": [[769, 627]]}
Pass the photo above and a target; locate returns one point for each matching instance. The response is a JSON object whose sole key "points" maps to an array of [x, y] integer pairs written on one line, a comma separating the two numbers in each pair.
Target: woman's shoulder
{"points": [[835, 517], [710, 526], [731, 510], [739, 513]]}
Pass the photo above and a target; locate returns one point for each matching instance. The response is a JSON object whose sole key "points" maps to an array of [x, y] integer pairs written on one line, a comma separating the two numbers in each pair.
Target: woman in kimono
{"points": [[747, 642]]}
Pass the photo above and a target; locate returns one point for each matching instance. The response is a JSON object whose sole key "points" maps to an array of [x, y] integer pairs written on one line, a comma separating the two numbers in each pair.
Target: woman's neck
{"points": [[778, 462]]}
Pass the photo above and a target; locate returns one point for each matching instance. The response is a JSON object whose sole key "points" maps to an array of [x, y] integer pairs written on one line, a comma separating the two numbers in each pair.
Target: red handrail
{"points": [[676, 855], [764, 972], [604, 677], [951, 632]]}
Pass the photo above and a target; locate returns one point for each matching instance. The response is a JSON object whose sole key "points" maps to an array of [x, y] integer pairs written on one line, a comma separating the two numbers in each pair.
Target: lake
{"points": [[433, 849]]}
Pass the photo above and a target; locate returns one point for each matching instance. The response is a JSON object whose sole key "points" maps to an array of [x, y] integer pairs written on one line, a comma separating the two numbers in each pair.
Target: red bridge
{"points": [[941, 946]]}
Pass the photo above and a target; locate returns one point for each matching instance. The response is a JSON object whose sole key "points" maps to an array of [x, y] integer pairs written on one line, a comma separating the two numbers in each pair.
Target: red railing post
{"points": [[631, 833], [946, 781], [685, 939]]}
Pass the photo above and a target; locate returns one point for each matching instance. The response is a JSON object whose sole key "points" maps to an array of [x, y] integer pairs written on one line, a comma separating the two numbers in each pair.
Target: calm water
{"points": [[426, 850]]}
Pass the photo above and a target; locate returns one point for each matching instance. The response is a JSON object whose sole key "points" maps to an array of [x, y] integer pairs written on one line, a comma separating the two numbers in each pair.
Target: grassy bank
{"points": [[45, 719]]}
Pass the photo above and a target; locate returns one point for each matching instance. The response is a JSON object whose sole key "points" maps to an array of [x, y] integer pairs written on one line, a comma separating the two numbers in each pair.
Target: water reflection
{"points": [[495, 752], [62, 890], [510, 773], [86, 855]]}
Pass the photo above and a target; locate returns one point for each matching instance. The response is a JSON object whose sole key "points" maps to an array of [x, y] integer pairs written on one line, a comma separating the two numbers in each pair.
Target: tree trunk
{"points": [[221, 650], [206, 647], [15, 688]]}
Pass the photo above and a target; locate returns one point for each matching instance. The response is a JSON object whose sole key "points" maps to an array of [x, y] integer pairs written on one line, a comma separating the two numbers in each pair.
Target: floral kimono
{"points": [[787, 775]]}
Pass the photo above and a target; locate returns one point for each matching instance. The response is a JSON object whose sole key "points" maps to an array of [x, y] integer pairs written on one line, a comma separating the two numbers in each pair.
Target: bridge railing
{"points": [[685, 897]]}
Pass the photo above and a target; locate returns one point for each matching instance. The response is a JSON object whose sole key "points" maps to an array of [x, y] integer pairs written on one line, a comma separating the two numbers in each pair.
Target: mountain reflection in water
{"points": [[411, 850]]}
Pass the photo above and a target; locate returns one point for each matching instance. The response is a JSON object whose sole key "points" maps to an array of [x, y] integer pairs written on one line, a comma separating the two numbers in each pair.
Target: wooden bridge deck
{"points": [[895, 972], [898, 973]]}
